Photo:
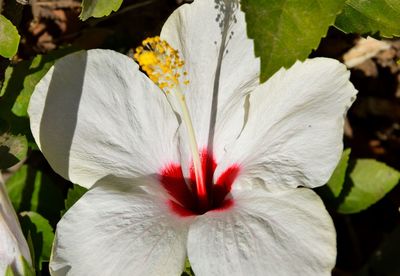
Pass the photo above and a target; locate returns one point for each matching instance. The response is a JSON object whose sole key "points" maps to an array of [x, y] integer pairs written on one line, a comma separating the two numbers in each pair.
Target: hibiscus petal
{"points": [[120, 228], [294, 131], [95, 113], [285, 233], [196, 31], [13, 245]]}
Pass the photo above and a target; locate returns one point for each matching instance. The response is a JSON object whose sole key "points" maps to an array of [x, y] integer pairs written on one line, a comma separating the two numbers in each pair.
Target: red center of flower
{"points": [[186, 201]]}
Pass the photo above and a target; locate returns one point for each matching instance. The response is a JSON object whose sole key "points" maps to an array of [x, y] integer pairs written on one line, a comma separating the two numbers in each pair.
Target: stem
{"points": [[201, 189]]}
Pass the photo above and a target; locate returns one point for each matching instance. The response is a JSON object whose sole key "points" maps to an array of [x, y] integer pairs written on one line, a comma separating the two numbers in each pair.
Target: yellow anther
{"points": [[161, 62], [147, 58]]}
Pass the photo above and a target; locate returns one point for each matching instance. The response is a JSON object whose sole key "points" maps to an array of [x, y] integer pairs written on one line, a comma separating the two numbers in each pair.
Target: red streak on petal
{"points": [[172, 180], [224, 184], [180, 210], [226, 204]]}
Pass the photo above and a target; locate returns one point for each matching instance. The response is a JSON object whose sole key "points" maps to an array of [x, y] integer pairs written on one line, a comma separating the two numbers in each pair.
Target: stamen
{"points": [[161, 62], [163, 65]]}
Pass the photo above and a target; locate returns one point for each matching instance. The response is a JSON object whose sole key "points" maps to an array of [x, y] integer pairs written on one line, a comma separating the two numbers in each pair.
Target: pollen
{"points": [[161, 63]]}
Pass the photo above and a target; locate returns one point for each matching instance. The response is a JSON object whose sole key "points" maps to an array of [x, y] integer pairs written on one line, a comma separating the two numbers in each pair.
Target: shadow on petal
{"points": [[60, 112]]}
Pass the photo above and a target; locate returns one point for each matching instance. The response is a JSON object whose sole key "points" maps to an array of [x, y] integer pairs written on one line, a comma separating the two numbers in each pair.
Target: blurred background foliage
{"points": [[362, 196]]}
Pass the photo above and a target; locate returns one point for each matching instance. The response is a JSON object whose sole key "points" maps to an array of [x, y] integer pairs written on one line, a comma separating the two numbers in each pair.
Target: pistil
{"points": [[201, 188], [164, 67]]}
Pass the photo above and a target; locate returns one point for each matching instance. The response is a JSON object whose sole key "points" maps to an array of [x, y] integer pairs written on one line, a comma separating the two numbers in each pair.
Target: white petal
{"points": [[13, 245], [95, 113], [286, 233], [118, 228], [294, 131], [194, 30]]}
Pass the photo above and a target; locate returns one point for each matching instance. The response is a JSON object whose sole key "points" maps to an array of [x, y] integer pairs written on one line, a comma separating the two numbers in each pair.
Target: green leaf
{"points": [[31, 246], [287, 30], [370, 16], [9, 271], [31, 190], [98, 8], [337, 179], [27, 269], [21, 79], [370, 181], [13, 148], [9, 38], [41, 232], [188, 269], [74, 194]]}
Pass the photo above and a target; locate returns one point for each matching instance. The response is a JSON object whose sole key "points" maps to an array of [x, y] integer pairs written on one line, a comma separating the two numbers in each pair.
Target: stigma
{"points": [[161, 63]]}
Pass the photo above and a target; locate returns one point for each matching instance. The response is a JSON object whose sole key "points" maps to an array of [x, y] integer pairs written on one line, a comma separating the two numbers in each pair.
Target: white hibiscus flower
{"points": [[209, 169], [13, 246]]}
